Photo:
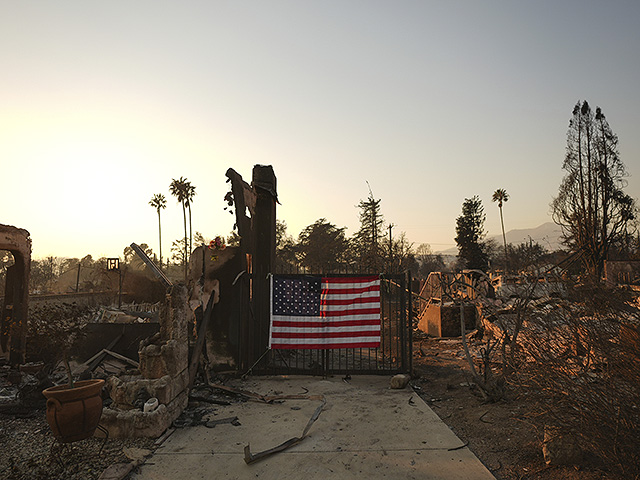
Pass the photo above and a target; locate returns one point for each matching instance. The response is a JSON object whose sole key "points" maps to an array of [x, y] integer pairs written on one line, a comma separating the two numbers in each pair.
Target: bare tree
{"points": [[591, 207]]}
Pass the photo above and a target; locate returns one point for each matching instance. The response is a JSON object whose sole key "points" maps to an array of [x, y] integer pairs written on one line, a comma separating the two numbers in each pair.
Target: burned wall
{"points": [[622, 272], [444, 320], [13, 323], [223, 271], [164, 375]]}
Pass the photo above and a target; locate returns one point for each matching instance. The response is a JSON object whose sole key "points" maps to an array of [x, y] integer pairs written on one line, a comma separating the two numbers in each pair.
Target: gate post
{"points": [[409, 294]]}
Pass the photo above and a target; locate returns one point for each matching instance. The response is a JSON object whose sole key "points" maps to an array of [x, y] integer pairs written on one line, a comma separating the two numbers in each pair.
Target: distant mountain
{"points": [[548, 235]]}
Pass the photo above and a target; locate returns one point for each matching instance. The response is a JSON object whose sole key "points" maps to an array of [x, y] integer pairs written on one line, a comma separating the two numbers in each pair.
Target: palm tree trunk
{"points": [[160, 237], [504, 240], [190, 231], [184, 214]]}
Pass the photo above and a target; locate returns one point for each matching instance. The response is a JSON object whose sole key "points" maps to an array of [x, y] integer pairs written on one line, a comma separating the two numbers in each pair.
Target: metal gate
{"points": [[393, 356]]}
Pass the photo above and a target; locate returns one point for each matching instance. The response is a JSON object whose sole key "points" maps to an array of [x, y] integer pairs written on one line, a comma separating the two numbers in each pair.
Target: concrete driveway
{"points": [[366, 430]]}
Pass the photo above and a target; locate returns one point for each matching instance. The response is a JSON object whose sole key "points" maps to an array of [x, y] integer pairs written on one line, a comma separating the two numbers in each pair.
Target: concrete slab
{"points": [[365, 429]]}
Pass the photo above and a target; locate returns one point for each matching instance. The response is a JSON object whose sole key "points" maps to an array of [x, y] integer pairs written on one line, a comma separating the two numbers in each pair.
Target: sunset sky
{"points": [[430, 102]]}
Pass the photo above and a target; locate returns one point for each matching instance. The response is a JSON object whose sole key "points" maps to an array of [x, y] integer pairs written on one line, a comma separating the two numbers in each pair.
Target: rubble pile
{"points": [[162, 375]]}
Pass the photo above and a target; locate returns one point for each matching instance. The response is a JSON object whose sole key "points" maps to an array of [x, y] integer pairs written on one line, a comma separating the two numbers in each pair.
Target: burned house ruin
{"points": [[13, 324]]}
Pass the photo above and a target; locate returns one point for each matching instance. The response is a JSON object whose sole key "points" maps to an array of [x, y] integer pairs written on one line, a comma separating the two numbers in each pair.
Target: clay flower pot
{"points": [[73, 413]]}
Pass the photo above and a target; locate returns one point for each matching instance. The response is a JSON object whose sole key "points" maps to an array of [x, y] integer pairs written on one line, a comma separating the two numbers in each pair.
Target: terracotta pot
{"points": [[73, 413]]}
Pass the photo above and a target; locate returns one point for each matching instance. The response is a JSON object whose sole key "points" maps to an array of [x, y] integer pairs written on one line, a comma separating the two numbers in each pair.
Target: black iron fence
{"points": [[392, 356]]}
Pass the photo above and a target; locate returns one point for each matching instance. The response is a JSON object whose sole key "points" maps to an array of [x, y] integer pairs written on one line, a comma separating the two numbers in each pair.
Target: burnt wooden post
{"points": [[264, 236], [258, 247], [243, 199]]}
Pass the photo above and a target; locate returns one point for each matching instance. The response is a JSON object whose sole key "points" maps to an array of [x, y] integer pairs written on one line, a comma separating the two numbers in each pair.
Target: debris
{"points": [[117, 471], [8, 399], [200, 396], [195, 356], [481, 417], [265, 398], [31, 368], [152, 266], [150, 405], [110, 366], [192, 417], [400, 381], [232, 420], [136, 454], [250, 458], [164, 436]]}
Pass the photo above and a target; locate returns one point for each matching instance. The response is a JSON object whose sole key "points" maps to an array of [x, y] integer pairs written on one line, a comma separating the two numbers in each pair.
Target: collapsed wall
{"points": [[164, 375], [13, 323]]}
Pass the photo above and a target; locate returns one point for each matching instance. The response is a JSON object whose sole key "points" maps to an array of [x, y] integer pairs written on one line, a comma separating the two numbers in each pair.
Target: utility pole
{"points": [[391, 225], [78, 278]]}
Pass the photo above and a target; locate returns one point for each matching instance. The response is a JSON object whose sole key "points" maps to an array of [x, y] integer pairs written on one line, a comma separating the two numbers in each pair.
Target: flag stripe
{"points": [[301, 333], [369, 306], [370, 329], [324, 346], [369, 280], [323, 324], [353, 301], [349, 312], [303, 318], [349, 291]]}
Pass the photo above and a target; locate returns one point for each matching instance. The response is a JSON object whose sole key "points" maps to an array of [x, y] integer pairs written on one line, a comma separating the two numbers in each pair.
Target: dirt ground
{"points": [[29, 451], [498, 433]]}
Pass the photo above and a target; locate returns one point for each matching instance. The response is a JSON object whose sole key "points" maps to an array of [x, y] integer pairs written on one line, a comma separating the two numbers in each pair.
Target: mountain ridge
{"points": [[548, 235]]}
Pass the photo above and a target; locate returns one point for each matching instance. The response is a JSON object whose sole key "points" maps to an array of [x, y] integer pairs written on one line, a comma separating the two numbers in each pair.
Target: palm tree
{"points": [[501, 196], [190, 192], [159, 202], [178, 189]]}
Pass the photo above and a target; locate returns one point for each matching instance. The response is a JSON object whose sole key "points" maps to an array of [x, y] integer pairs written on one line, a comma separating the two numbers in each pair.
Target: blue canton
{"points": [[296, 296]]}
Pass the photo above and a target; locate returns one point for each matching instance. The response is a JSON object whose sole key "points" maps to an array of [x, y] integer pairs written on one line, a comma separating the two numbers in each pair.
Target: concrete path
{"points": [[365, 430]]}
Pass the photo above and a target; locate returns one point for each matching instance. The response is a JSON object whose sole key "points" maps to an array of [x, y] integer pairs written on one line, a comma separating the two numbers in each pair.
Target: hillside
{"points": [[548, 235]]}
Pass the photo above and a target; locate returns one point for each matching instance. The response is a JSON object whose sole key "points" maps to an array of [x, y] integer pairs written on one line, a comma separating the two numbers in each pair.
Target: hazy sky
{"points": [[103, 103]]}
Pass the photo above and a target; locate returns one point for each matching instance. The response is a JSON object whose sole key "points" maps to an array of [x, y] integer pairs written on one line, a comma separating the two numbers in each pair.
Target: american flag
{"points": [[309, 312]]}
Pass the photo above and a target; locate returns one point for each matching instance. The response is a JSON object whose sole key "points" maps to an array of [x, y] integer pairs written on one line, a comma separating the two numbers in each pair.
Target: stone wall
{"points": [[164, 374]]}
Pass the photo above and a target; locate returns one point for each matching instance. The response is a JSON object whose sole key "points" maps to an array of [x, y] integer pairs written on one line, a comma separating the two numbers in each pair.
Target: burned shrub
{"points": [[53, 328], [583, 368]]}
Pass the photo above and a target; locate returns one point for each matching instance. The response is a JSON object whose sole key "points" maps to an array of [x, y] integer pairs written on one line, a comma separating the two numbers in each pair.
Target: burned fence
{"points": [[361, 354]]}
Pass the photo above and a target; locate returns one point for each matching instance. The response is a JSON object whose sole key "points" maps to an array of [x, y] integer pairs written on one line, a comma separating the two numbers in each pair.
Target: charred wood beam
{"points": [[202, 332], [152, 266], [244, 197]]}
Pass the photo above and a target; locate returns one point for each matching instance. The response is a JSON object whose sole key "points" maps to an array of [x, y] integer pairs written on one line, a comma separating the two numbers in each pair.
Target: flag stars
{"points": [[297, 297]]}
